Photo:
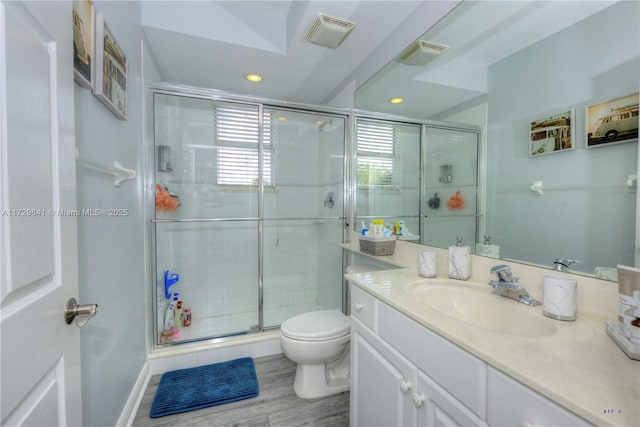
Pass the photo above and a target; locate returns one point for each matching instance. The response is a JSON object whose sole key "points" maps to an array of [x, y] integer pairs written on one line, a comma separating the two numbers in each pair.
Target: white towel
{"points": [[606, 273], [459, 262], [492, 251]]}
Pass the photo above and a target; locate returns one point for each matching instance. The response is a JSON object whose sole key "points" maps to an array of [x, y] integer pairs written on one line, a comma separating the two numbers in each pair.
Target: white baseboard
{"points": [[185, 356], [135, 397]]}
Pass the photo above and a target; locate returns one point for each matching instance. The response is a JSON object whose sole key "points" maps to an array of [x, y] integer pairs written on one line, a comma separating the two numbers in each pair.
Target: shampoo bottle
{"points": [[186, 318], [169, 317], [174, 305], [178, 315]]}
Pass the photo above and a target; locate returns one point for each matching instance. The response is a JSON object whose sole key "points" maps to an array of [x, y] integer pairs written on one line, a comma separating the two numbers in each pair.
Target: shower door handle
{"points": [[81, 312]]}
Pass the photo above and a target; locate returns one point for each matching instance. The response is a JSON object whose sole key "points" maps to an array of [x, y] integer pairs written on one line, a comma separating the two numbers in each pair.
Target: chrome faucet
{"points": [[563, 264], [508, 286]]}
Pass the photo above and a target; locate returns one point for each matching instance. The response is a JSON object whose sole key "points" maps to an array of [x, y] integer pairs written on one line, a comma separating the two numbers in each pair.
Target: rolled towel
{"points": [[492, 251]]}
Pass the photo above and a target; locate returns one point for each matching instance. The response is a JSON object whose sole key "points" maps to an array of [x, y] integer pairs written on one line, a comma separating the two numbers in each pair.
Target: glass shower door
{"points": [[303, 213], [388, 174], [206, 215], [450, 204]]}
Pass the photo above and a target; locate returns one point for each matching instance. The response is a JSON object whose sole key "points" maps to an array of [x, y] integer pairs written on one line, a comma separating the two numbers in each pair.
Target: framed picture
{"points": [[83, 30], [613, 121], [111, 71], [552, 134]]}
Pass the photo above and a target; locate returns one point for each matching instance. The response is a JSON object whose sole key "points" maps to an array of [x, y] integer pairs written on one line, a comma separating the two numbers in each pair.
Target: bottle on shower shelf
{"points": [[177, 311], [169, 317], [186, 317]]}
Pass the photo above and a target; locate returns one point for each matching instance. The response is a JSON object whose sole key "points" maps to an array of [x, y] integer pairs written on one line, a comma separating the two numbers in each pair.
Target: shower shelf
{"points": [[119, 172]]}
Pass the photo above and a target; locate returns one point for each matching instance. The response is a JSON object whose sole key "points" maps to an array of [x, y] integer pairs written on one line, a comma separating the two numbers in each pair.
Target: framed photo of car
{"points": [[552, 134], [111, 71], [613, 122], [83, 46]]}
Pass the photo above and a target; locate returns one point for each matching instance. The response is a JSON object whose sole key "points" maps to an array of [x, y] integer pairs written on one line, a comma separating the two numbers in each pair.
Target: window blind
{"points": [[377, 150], [237, 137]]}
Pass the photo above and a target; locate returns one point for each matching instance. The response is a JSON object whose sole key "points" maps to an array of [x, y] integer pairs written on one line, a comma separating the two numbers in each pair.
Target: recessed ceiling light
{"points": [[282, 119], [255, 78], [397, 100], [319, 122]]}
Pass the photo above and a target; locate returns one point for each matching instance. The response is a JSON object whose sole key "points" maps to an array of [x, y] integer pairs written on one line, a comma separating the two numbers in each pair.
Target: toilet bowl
{"points": [[318, 342]]}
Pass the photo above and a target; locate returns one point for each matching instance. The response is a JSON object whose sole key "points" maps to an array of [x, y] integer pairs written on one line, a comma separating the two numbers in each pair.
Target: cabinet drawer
{"points": [[514, 404], [458, 372], [364, 307]]}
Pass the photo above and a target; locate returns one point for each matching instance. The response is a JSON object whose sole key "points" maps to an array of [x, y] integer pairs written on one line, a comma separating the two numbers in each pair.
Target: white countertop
{"points": [[579, 366]]}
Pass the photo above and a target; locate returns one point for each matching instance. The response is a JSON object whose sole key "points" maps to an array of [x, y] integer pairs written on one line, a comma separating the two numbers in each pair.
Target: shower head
{"points": [[323, 123]]}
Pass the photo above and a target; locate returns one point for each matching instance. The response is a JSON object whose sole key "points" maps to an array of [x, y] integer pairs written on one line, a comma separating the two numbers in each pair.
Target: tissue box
{"points": [[377, 246]]}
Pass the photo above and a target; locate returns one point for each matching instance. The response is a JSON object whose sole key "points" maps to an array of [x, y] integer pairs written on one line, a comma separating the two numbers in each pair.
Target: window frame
{"points": [[377, 142], [242, 140]]}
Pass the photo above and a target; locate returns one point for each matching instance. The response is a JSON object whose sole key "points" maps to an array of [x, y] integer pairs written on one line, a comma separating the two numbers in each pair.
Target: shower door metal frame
{"points": [[424, 124], [152, 88]]}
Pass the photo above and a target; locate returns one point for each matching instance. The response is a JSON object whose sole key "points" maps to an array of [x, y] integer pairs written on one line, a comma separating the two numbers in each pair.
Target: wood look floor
{"points": [[276, 406]]}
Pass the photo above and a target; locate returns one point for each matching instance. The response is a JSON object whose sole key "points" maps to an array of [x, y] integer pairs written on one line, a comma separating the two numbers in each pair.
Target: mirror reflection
{"points": [[537, 79]]}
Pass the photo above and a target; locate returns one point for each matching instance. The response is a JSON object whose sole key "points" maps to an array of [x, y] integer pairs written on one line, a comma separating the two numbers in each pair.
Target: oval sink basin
{"points": [[478, 307]]}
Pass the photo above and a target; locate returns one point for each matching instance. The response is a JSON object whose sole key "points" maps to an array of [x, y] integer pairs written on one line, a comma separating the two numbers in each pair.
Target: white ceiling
{"points": [[479, 34], [213, 44]]}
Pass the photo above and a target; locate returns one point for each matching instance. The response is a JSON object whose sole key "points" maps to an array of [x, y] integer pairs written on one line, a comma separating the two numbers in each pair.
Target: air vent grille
{"points": [[329, 31], [421, 52]]}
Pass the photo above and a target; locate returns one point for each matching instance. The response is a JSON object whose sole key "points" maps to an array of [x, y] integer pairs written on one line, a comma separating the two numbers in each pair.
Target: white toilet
{"points": [[318, 342]]}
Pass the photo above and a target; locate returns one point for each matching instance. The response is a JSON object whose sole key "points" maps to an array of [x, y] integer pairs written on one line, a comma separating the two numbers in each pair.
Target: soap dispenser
{"points": [[459, 261]]}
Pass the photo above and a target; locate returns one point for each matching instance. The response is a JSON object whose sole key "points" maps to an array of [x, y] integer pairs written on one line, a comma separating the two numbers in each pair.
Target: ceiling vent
{"points": [[420, 52], [328, 30]]}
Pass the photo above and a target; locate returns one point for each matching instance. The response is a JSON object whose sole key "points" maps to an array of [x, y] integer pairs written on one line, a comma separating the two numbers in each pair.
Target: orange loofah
{"points": [[456, 201], [165, 201]]}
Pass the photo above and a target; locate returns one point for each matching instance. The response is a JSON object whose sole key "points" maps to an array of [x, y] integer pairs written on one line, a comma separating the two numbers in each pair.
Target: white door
{"points": [[40, 353]]}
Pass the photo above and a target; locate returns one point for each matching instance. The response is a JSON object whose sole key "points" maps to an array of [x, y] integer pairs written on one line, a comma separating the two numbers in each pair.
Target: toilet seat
{"points": [[316, 326]]}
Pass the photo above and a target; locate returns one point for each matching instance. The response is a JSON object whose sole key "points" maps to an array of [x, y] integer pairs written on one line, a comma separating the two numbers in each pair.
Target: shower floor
{"points": [[241, 322]]}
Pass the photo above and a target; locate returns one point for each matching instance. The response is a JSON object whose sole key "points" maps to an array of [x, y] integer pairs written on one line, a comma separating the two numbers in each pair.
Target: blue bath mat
{"points": [[196, 388]]}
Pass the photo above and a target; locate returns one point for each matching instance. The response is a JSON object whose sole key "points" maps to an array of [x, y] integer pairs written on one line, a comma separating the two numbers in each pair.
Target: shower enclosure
{"points": [[408, 171], [388, 173], [249, 212]]}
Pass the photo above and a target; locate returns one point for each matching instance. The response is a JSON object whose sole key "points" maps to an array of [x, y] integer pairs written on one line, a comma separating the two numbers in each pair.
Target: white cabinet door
{"points": [[382, 382], [438, 408], [457, 371], [512, 403], [40, 353]]}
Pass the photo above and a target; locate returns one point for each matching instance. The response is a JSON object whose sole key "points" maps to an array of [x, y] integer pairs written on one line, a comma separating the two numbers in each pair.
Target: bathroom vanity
{"points": [[421, 355]]}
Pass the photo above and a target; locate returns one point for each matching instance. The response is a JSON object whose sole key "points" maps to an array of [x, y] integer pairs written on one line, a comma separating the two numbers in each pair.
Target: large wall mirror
{"points": [[545, 82]]}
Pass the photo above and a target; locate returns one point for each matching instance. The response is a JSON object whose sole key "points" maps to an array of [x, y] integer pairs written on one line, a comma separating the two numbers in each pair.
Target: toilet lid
{"points": [[316, 326]]}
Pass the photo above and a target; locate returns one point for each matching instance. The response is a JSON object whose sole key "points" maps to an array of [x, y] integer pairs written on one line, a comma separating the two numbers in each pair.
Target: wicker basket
{"points": [[380, 246]]}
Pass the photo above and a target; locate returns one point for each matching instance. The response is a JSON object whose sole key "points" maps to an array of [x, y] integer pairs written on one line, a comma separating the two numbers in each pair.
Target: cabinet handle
{"points": [[358, 307], [405, 386], [418, 400]]}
